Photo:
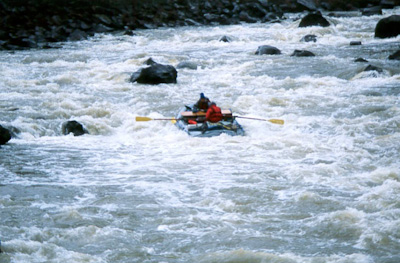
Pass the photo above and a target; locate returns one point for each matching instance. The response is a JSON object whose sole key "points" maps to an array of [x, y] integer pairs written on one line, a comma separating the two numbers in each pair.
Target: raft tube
{"points": [[186, 120]]}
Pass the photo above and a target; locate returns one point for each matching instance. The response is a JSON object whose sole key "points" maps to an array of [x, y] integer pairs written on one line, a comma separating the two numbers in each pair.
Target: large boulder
{"points": [[388, 27], [155, 74], [314, 19], [267, 50], [5, 135], [73, 127]]}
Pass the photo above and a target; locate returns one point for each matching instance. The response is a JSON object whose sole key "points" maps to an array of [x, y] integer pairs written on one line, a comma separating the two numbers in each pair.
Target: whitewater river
{"points": [[324, 187]]}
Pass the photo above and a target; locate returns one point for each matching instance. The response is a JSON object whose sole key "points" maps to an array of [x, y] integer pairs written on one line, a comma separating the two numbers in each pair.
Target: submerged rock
{"points": [[225, 39], [395, 56], [302, 53], [355, 43], [267, 50], [309, 38], [187, 64], [73, 127], [5, 135], [373, 68]]}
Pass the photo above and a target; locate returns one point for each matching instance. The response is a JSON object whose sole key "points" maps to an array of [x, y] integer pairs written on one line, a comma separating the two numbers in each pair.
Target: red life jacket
{"points": [[214, 114]]}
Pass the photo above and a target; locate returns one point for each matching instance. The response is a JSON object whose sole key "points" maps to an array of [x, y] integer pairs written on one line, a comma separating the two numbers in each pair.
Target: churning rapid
{"points": [[324, 187]]}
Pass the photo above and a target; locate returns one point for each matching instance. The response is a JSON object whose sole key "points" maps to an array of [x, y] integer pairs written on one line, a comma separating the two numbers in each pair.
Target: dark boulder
{"points": [[14, 132], [73, 127], [155, 74], [5, 135], [225, 39], [360, 60], [314, 19], [388, 27], [309, 38], [302, 53], [355, 43], [395, 56], [267, 50]]}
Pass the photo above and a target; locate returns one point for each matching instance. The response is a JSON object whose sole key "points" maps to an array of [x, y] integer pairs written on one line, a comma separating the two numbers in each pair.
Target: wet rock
{"points": [[370, 11], [31, 23], [309, 38], [302, 53], [225, 39], [14, 132], [77, 35], [314, 19], [360, 60], [5, 135], [388, 27], [73, 127], [373, 68], [267, 50], [135, 75], [395, 56], [355, 43], [129, 33], [150, 61], [155, 74]]}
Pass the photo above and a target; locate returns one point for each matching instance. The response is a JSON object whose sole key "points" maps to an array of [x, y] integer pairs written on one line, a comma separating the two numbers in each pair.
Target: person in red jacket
{"points": [[214, 113]]}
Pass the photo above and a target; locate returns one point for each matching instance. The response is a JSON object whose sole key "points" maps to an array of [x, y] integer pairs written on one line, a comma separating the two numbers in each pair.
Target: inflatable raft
{"points": [[191, 122]]}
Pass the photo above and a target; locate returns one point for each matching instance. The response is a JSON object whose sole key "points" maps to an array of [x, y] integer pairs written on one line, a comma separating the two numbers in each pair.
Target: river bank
{"points": [[42, 23]]}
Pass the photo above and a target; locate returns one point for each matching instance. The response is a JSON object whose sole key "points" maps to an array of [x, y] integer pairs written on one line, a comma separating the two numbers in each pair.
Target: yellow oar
{"points": [[154, 119], [276, 121]]}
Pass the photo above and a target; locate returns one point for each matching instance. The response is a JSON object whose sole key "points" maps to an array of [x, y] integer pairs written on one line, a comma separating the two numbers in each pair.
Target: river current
{"points": [[323, 188]]}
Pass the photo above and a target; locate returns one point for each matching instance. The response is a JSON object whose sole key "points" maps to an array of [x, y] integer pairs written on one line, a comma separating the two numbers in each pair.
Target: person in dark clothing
{"points": [[201, 104], [214, 113]]}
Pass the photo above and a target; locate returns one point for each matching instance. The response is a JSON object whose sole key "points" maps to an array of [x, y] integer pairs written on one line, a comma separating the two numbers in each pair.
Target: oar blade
{"points": [[143, 118], [277, 121]]}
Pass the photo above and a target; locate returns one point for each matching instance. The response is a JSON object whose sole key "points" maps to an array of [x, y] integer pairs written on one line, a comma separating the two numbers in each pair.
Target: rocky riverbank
{"points": [[42, 23]]}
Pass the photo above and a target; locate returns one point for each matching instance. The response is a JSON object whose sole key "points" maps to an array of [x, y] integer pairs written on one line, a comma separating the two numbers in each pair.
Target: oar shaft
{"points": [[139, 118], [276, 121], [251, 118]]}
